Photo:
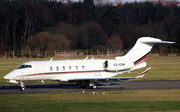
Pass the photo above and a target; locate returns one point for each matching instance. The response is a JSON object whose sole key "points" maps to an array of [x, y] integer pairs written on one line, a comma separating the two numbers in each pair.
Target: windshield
{"points": [[24, 66]]}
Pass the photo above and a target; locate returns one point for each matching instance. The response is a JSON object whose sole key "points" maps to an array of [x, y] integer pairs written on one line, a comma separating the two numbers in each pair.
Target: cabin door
{"points": [[40, 71]]}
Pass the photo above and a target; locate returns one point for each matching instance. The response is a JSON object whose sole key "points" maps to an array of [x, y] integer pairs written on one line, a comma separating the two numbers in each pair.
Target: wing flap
{"points": [[111, 79], [102, 79]]}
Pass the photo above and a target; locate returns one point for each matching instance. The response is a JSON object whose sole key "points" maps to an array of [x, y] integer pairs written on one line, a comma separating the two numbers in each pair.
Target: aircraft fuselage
{"points": [[64, 70]]}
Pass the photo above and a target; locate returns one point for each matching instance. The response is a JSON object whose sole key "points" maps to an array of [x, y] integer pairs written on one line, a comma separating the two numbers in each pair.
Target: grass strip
{"points": [[140, 100], [89, 106]]}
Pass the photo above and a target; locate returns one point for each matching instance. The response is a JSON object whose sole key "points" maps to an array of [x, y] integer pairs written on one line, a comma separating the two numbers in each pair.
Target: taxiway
{"points": [[73, 88]]}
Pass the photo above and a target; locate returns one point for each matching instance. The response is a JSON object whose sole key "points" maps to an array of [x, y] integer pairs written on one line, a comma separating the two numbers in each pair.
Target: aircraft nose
{"points": [[6, 77]]}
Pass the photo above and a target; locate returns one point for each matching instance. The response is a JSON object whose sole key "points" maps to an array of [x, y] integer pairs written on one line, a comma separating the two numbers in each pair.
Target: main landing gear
{"points": [[92, 85], [22, 86], [85, 85]]}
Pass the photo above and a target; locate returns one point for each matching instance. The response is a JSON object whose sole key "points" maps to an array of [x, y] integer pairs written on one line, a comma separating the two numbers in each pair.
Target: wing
{"points": [[110, 79]]}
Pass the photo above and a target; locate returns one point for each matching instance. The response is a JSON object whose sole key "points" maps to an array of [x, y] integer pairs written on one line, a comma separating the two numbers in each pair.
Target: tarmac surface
{"points": [[73, 88]]}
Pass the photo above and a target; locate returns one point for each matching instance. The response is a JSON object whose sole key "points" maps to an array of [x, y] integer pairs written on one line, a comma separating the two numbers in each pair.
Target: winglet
{"points": [[143, 73]]}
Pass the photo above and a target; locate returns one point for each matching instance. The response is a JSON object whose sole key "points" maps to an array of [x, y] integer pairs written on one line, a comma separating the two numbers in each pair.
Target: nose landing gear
{"points": [[22, 86]]}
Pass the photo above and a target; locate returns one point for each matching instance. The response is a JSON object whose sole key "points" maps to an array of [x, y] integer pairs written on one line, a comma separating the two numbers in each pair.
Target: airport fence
{"points": [[64, 53], [80, 53]]}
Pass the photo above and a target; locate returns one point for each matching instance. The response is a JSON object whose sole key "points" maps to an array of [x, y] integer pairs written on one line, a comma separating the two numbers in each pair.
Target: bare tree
{"points": [[15, 19], [58, 42], [46, 12], [115, 42], [100, 2], [117, 2], [45, 40]]}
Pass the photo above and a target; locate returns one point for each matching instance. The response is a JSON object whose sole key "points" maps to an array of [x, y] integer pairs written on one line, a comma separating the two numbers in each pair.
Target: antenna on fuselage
{"points": [[86, 58], [51, 59]]}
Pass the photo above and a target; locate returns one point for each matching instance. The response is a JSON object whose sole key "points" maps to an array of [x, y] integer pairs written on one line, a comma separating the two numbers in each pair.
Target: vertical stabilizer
{"points": [[141, 49]]}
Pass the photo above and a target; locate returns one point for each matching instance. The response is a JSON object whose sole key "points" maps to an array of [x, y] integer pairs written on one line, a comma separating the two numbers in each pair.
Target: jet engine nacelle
{"points": [[116, 65]]}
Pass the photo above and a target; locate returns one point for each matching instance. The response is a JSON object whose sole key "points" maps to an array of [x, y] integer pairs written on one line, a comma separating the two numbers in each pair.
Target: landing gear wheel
{"points": [[23, 88], [94, 87]]}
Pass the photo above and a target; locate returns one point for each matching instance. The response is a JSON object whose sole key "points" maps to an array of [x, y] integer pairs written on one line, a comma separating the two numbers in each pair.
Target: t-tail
{"points": [[141, 49]]}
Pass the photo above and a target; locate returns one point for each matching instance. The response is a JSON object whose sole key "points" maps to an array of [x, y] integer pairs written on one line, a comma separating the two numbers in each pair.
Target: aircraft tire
{"points": [[94, 87], [23, 88]]}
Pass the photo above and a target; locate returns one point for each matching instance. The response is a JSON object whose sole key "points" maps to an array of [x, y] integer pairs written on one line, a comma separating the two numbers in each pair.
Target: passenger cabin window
{"points": [[57, 68], [76, 67], [69, 67], [83, 67], [24, 66], [63, 67], [51, 69]]}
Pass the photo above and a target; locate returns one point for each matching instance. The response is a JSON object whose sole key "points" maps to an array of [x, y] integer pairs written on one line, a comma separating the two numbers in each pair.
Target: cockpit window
{"points": [[24, 66]]}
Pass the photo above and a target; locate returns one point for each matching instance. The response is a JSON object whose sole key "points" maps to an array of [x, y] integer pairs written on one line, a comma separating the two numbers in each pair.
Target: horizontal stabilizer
{"points": [[155, 42]]}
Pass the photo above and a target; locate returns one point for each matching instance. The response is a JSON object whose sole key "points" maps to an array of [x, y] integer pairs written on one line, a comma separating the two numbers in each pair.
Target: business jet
{"points": [[86, 72]]}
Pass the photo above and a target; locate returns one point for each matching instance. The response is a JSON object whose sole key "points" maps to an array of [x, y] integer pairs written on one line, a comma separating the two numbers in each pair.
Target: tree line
{"points": [[47, 24]]}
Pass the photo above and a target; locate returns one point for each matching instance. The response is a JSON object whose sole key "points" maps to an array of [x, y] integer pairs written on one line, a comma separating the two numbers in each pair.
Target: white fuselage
{"points": [[64, 70]]}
